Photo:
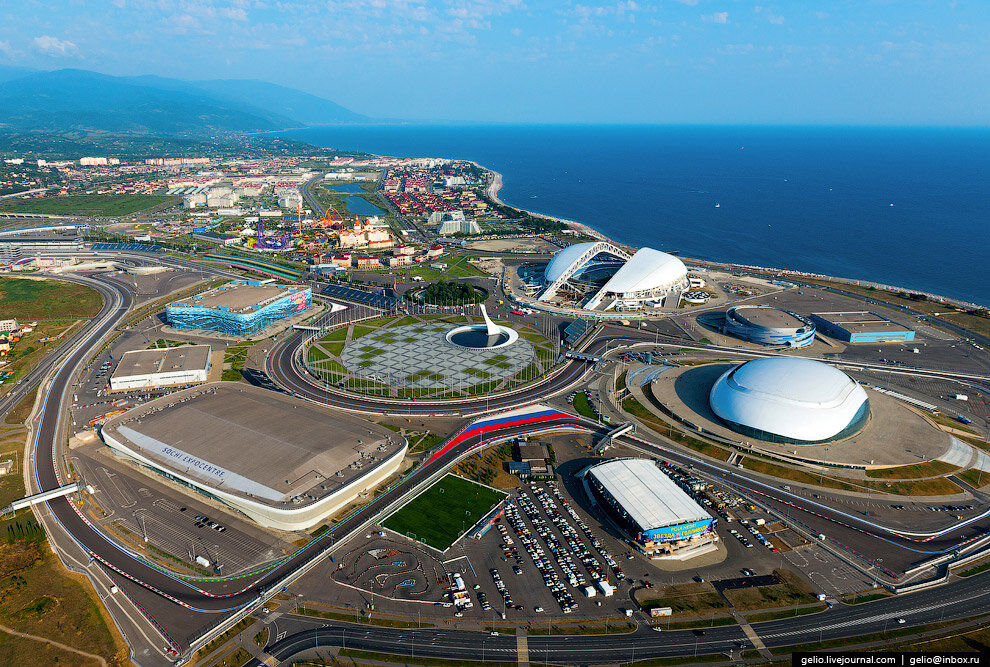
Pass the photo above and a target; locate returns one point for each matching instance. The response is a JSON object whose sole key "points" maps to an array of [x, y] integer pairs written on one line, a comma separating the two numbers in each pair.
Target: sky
{"points": [[862, 62]]}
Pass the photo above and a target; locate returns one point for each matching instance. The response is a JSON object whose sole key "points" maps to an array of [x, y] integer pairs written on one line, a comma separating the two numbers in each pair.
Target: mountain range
{"points": [[79, 100]]}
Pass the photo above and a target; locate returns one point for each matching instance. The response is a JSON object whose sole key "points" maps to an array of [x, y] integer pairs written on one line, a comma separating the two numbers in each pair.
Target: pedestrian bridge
{"points": [[42, 497]]}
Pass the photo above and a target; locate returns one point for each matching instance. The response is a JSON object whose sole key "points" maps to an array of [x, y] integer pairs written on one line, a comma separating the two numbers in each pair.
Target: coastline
{"points": [[496, 185]]}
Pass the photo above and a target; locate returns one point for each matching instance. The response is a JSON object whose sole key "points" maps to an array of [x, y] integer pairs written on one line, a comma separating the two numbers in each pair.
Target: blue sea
{"points": [[900, 206]]}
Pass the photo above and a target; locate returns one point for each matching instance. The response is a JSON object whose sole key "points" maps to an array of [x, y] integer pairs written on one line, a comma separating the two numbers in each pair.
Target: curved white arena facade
{"points": [[792, 400], [646, 277]]}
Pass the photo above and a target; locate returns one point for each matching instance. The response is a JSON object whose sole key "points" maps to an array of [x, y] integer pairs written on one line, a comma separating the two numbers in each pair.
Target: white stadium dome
{"points": [[649, 270], [647, 276], [563, 260], [790, 399]]}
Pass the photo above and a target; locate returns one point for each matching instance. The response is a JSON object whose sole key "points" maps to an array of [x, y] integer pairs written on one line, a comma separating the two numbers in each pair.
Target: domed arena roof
{"points": [[647, 270], [786, 399], [563, 260]]}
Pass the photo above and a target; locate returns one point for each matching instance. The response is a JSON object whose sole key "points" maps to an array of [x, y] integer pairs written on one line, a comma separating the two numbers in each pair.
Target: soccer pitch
{"points": [[443, 512]]}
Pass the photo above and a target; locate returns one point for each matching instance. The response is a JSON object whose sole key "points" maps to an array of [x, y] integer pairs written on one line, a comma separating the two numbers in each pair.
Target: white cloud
{"points": [[234, 13], [7, 50], [718, 17], [53, 46]]}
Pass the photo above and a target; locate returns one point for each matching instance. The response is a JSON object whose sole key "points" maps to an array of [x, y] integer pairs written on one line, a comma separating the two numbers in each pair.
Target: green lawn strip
{"points": [[974, 477], [225, 637], [872, 638], [440, 514], [482, 389], [963, 642], [477, 372], [361, 331], [582, 405], [231, 375], [869, 597], [794, 475], [936, 486], [982, 567], [355, 654], [338, 616], [424, 442], [709, 622], [336, 334], [620, 382], [933, 468], [687, 660], [379, 322], [333, 348], [784, 613], [316, 354], [31, 299], [19, 413], [11, 484], [617, 628], [533, 337], [945, 420], [405, 321], [636, 409], [330, 365], [106, 204], [165, 343]]}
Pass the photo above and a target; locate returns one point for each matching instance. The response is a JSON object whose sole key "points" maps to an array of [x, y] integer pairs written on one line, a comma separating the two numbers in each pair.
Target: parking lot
{"points": [[147, 513]]}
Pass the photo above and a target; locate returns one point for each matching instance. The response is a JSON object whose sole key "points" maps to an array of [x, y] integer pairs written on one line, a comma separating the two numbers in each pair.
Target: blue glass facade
{"points": [[223, 320]]}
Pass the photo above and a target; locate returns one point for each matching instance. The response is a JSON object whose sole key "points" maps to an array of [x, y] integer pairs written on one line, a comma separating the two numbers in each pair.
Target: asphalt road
{"points": [[211, 599], [959, 600]]}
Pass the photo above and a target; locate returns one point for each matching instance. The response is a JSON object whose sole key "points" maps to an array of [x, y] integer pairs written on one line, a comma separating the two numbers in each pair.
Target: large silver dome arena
{"points": [[788, 399]]}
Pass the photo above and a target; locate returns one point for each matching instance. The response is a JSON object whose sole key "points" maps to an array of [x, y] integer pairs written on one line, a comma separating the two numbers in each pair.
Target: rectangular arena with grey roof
{"points": [[282, 461], [185, 364], [645, 502]]}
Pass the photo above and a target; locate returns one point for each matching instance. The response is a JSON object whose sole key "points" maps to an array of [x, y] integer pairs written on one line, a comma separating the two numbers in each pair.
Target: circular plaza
{"points": [[417, 355]]}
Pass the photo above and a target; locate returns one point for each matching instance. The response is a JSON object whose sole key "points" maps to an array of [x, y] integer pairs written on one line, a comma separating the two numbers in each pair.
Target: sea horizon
{"points": [[895, 205]]}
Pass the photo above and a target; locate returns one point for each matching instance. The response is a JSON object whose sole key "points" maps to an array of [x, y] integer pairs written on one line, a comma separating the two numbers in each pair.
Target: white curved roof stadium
{"points": [[646, 276], [565, 259], [788, 399], [648, 270]]}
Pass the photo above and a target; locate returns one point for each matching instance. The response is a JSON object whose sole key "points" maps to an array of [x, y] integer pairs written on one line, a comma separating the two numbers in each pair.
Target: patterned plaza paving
{"points": [[417, 355]]}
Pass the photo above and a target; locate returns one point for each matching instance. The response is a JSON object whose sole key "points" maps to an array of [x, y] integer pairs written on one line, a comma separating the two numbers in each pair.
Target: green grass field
{"points": [[443, 512], [87, 204], [27, 299]]}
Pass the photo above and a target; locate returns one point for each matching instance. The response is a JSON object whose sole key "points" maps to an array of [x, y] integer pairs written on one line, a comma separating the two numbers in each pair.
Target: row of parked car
{"points": [[550, 577]]}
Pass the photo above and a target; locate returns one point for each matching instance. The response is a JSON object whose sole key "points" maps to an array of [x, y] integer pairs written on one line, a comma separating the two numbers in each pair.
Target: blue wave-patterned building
{"points": [[766, 325], [241, 308]]}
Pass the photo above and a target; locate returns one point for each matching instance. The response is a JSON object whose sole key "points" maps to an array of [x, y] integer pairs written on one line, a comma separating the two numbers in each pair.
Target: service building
{"points": [[861, 327], [139, 369]]}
